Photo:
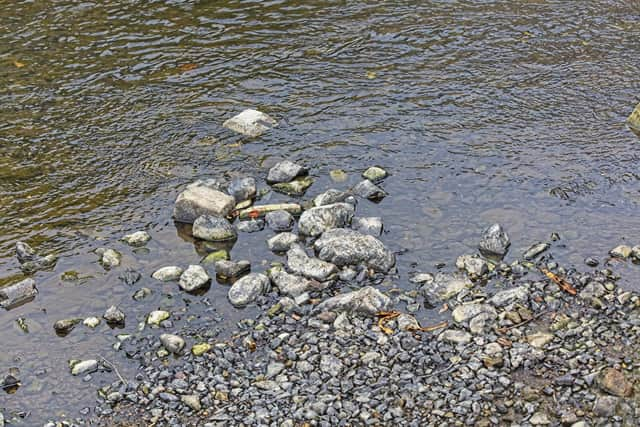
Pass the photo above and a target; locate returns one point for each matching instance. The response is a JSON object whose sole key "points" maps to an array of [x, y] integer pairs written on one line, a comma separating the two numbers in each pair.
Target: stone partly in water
{"points": [[494, 242], [200, 198], [348, 247], [367, 300], [473, 265], [83, 367], [315, 221], [114, 316], [194, 278], [368, 225], [157, 316], [91, 322], [109, 258], [250, 226], [139, 238], [280, 221], [245, 290], [17, 294], [330, 197], [282, 242], [375, 174], [634, 119], [300, 263], [251, 123], [297, 187], [168, 274], [368, 190], [64, 326], [285, 171], [622, 251], [242, 189], [226, 269], [213, 229], [535, 250], [30, 262], [172, 343]]}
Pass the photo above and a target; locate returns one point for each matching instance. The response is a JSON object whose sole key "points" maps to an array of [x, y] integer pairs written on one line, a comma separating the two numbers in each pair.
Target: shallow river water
{"points": [[509, 112]]}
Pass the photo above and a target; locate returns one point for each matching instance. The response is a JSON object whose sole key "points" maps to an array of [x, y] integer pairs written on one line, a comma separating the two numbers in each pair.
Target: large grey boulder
{"points": [[194, 278], [300, 263], [348, 247], [315, 221], [213, 229], [367, 300], [19, 293], [252, 123], [242, 189], [248, 288], [285, 171], [291, 285], [202, 198], [494, 242]]}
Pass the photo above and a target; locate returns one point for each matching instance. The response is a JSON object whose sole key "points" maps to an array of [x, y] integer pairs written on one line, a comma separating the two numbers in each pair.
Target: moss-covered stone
{"points": [[200, 348]]}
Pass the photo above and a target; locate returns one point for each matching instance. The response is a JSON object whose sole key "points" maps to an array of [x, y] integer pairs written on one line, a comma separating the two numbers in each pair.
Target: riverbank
{"points": [[335, 340]]}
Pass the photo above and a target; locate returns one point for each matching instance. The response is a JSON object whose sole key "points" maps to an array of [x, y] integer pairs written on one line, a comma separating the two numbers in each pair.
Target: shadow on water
{"points": [[509, 112]]}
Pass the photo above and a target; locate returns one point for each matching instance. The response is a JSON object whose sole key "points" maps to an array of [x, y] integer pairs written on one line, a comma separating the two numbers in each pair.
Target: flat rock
{"points": [[300, 263], [330, 197], [109, 258], [368, 190], [138, 238], [368, 225], [251, 123], [199, 198], [367, 300], [291, 285], [168, 274], [349, 247], [282, 242], [494, 242], [245, 290], [17, 294], [280, 220], [315, 221], [285, 171], [230, 269], [213, 229], [455, 336], [194, 278], [502, 298], [465, 312], [243, 188], [84, 367]]}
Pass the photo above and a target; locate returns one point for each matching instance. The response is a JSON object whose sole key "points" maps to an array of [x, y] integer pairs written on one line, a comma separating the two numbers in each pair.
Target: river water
{"points": [[482, 112]]}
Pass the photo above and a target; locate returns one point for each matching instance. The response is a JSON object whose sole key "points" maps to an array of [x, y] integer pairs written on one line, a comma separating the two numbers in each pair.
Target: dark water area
{"points": [[483, 112]]}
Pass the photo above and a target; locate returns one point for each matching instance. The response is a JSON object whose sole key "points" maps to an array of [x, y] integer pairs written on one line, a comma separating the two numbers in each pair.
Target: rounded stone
{"points": [[213, 229]]}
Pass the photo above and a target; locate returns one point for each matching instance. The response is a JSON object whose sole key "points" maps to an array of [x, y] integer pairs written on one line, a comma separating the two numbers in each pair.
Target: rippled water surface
{"points": [[482, 111]]}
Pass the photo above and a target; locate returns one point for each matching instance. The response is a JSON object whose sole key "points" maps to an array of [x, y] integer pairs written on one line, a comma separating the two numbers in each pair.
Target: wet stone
{"points": [[245, 290], [338, 175], [285, 171], [202, 198], [139, 238], [282, 242], [114, 316], [167, 274], [367, 225], [242, 189], [250, 122], [315, 221], [348, 247], [330, 197], [535, 250], [109, 258], [295, 188], [157, 316], [17, 294], [494, 242], [194, 277], [213, 229], [473, 265], [250, 226], [84, 367], [368, 190], [31, 262], [213, 257], [64, 326], [622, 251], [230, 269], [374, 174], [129, 277], [280, 221]]}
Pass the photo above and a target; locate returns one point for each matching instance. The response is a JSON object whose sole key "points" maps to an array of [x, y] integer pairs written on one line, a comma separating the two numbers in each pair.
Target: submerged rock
{"points": [[251, 123], [349, 247], [285, 171], [194, 278], [315, 221], [172, 343], [213, 229], [199, 198], [535, 250], [282, 242], [375, 174], [280, 221], [367, 225], [338, 175], [139, 238], [494, 242], [245, 290], [114, 316], [242, 189], [250, 226], [300, 263], [330, 197], [30, 261], [229, 269], [297, 187], [168, 274], [367, 300], [215, 256], [368, 190], [17, 294]]}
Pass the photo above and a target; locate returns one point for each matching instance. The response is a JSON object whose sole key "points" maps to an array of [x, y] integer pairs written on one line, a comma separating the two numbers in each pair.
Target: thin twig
{"points": [[115, 369]]}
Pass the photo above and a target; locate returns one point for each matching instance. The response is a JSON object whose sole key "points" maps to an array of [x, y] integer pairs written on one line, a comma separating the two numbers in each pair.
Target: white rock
{"points": [[84, 367], [157, 316], [167, 274], [194, 278], [250, 122], [139, 238], [91, 322]]}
